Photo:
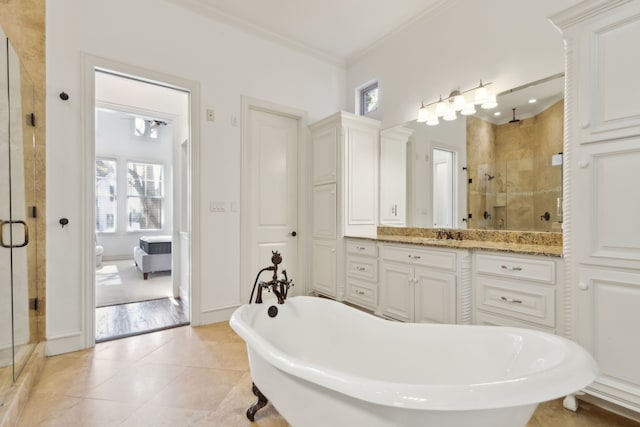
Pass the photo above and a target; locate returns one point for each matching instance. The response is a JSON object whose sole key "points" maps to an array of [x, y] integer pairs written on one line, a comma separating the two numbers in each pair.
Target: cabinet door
{"points": [[608, 81], [325, 144], [606, 204], [435, 296], [361, 168], [396, 291], [324, 211], [324, 274], [393, 182], [607, 318]]}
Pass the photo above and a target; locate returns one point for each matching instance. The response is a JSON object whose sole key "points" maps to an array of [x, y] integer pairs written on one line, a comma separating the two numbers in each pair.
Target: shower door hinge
{"points": [[31, 120], [33, 304], [34, 212]]}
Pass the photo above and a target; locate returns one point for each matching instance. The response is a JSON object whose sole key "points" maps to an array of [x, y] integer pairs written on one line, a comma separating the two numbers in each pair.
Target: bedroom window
{"points": [[145, 196], [106, 197]]}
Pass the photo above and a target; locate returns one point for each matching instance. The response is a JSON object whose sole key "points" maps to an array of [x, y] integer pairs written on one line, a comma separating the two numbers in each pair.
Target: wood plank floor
{"points": [[125, 320]]}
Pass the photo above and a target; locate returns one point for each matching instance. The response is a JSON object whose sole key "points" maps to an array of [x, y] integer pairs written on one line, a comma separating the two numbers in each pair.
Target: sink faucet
{"points": [[279, 287]]}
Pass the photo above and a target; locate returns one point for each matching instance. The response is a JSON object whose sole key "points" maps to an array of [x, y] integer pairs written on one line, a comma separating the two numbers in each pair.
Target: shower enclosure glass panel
{"points": [[18, 291]]}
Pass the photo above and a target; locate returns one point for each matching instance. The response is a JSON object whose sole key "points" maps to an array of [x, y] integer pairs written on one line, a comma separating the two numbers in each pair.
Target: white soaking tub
{"points": [[323, 363]]}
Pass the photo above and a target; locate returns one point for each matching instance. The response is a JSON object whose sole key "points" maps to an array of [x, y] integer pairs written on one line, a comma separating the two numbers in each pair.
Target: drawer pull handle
{"points": [[515, 301], [360, 268], [360, 248], [504, 267], [360, 292], [414, 256]]}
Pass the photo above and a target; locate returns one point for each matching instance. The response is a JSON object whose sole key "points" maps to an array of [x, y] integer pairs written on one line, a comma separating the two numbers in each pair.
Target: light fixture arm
{"points": [[454, 93]]}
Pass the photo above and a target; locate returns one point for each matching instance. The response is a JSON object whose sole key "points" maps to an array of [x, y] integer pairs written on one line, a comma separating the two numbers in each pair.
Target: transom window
{"points": [[369, 99], [145, 196]]}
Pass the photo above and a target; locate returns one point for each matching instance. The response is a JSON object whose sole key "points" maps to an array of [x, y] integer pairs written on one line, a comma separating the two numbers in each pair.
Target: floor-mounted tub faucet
{"points": [[279, 287]]}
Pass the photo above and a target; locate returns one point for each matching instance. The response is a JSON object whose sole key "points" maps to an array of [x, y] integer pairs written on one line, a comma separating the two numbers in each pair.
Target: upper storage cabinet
{"points": [[345, 151], [604, 86]]}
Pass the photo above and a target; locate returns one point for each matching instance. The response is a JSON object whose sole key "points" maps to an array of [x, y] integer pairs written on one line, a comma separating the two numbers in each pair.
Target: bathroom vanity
{"points": [[411, 278]]}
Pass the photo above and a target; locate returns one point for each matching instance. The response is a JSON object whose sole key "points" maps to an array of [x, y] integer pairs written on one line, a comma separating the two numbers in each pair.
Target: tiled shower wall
{"points": [[513, 180]]}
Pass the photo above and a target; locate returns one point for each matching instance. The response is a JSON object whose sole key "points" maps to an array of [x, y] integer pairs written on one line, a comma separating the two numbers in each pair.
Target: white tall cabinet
{"points": [[345, 150], [393, 176], [602, 194]]}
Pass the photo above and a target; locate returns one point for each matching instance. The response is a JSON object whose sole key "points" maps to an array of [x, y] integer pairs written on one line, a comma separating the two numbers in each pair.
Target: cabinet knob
{"points": [[583, 286], [583, 163]]}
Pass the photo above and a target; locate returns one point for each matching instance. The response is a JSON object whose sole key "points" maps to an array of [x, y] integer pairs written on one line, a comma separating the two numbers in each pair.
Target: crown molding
{"points": [[201, 7], [583, 11]]}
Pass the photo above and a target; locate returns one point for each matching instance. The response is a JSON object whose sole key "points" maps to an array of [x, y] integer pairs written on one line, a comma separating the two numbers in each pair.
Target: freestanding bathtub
{"points": [[323, 363]]}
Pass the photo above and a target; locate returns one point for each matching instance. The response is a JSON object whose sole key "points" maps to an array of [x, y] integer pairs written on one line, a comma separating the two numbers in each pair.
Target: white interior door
{"points": [[272, 203]]}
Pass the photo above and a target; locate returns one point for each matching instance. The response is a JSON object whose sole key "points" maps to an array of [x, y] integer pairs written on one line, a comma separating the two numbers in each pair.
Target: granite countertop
{"points": [[530, 243]]}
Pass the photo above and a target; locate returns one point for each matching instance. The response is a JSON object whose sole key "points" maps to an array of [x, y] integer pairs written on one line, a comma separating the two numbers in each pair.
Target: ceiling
{"points": [[335, 29]]}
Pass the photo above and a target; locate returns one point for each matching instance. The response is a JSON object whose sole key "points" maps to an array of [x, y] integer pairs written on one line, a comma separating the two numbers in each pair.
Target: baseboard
{"points": [[610, 406], [216, 315], [65, 343]]}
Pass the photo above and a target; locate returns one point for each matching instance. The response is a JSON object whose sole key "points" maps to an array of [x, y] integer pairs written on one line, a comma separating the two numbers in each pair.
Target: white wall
{"points": [[508, 42], [115, 141], [227, 63]]}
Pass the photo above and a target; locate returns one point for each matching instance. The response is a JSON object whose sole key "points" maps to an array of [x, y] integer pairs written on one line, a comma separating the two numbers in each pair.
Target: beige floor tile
{"points": [[233, 409], [202, 354], [138, 383], [82, 413], [197, 388], [154, 416], [136, 348]]}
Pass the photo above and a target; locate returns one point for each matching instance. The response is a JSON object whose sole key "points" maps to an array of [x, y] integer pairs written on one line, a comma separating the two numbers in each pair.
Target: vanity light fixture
{"points": [[448, 107]]}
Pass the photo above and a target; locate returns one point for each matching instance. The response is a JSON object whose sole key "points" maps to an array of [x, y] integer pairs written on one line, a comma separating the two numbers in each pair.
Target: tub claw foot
{"points": [[262, 401], [570, 402]]}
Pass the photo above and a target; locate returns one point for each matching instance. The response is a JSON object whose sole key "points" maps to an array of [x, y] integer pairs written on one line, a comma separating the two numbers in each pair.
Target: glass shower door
{"points": [[18, 325]]}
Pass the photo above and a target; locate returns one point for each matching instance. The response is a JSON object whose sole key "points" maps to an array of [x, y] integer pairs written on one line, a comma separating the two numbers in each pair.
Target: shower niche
{"points": [[18, 290]]}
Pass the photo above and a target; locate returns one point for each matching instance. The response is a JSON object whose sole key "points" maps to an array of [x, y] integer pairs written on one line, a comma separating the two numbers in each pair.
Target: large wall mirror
{"points": [[499, 169]]}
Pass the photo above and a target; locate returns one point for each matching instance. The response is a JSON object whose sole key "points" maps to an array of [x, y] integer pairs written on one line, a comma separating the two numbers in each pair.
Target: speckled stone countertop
{"points": [[519, 242]]}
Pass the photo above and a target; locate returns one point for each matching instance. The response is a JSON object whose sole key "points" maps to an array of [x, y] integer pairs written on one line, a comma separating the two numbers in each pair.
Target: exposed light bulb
{"points": [[468, 109], [490, 102], [458, 102], [422, 114]]}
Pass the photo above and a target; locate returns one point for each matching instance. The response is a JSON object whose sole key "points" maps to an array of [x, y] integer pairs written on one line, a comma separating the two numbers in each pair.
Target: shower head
{"points": [[514, 117], [489, 177]]}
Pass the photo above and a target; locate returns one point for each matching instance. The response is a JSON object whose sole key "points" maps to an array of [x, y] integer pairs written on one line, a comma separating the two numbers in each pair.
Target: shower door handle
{"points": [[11, 245]]}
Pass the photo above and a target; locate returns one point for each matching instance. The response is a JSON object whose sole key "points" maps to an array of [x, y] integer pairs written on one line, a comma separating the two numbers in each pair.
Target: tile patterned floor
{"points": [[185, 377]]}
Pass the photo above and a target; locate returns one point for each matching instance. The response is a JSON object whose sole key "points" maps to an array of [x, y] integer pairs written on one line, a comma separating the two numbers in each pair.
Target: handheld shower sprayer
{"points": [[280, 287]]}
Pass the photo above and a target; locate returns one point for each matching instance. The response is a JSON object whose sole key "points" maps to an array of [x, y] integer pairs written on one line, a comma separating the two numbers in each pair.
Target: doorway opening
{"points": [[444, 188], [142, 193]]}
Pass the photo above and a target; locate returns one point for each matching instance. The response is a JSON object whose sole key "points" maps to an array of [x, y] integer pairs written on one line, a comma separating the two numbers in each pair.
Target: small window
{"points": [[145, 196], [106, 197], [369, 99]]}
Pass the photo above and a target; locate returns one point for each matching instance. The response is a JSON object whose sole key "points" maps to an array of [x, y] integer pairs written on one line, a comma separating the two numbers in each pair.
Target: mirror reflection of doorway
{"points": [[444, 186], [141, 185]]}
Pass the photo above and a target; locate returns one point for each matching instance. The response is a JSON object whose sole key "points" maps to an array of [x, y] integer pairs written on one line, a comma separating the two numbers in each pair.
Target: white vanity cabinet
{"points": [[362, 273], [602, 198], [419, 284], [345, 150], [516, 290]]}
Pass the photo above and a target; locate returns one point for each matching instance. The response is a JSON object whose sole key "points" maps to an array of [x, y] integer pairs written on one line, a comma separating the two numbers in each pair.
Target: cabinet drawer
{"points": [[420, 257], [362, 267], [362, 293], [522, 268], [359, 247], [492, 320], [532, 303]]}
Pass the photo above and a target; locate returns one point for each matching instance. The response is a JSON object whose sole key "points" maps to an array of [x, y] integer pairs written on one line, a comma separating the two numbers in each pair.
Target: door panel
{"points": [[272, 202]]}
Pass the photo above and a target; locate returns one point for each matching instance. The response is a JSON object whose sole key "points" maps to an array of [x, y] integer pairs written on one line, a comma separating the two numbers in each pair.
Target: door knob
{"points": [[293, 234]]}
